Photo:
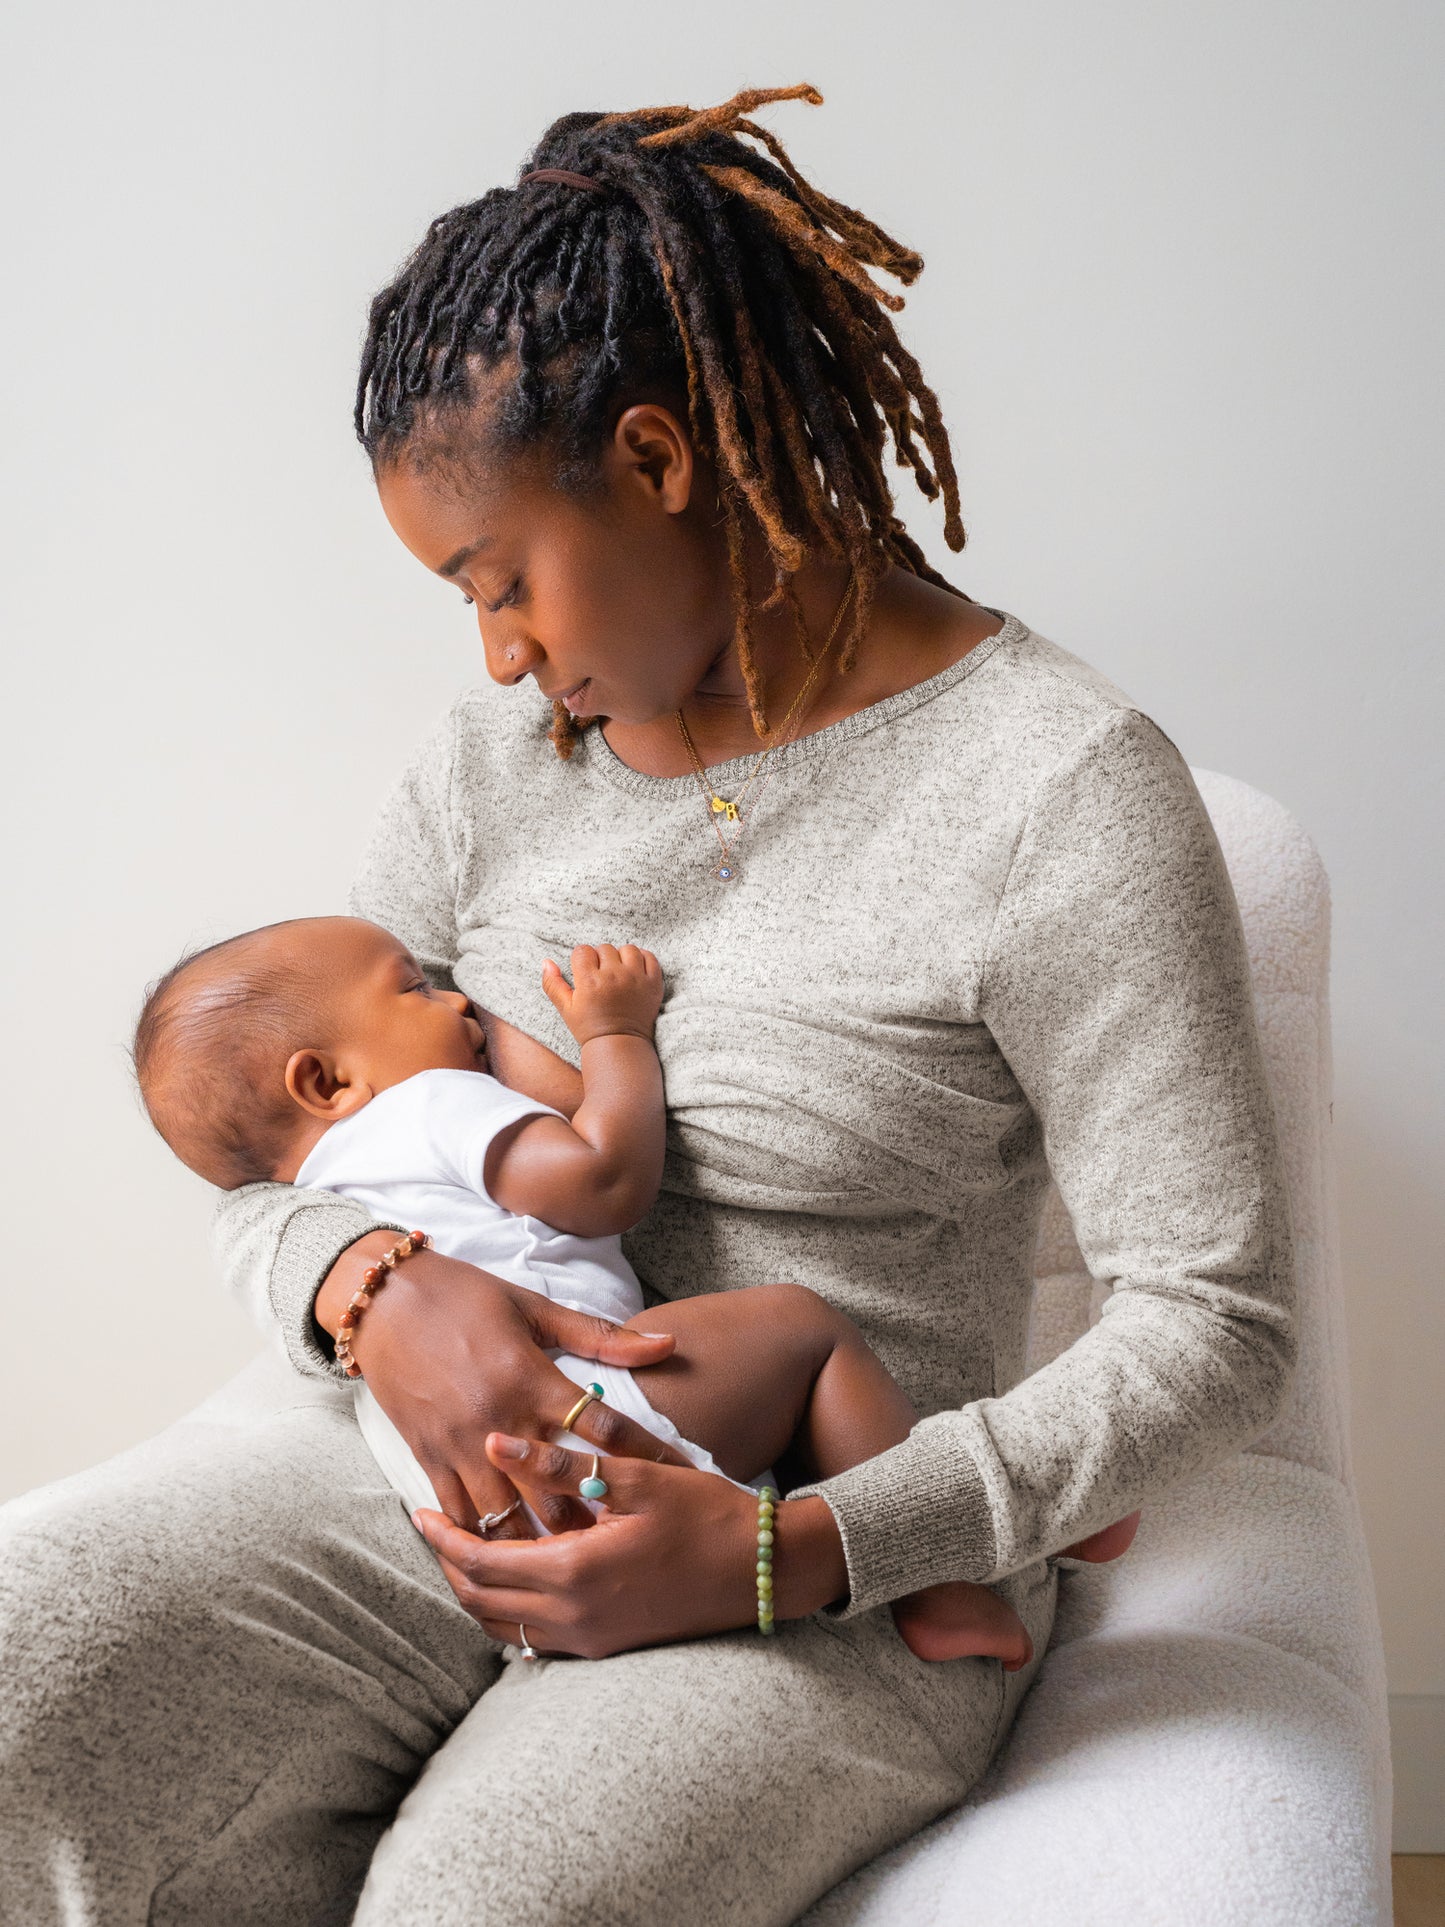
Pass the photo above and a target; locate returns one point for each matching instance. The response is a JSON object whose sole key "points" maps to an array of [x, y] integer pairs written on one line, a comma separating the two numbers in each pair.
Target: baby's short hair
{"points": [[210, 1051]]}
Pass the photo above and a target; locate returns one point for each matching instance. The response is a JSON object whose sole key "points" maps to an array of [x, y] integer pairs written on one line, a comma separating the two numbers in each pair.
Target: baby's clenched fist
{"points": [[613, 991]]}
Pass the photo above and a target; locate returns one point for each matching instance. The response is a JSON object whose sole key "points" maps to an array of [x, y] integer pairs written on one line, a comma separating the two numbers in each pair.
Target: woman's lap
{"points": [[228, 1656], [731, 1780]]}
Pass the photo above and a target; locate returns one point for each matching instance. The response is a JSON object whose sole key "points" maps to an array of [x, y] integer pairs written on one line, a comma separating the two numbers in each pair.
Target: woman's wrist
{"points": [[810, 1570], [344, 1278]]}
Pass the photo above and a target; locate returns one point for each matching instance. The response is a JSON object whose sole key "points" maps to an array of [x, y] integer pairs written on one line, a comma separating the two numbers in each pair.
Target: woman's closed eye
{"points": [[493, 608], [505, 602]]}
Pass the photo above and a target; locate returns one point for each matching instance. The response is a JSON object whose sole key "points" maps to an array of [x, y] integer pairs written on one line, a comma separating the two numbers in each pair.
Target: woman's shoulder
{"points": [[1026, 707], [1028, 678]]}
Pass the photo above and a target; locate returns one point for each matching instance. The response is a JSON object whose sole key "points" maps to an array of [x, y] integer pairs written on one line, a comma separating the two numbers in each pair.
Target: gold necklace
{"points": [[719, 806]]}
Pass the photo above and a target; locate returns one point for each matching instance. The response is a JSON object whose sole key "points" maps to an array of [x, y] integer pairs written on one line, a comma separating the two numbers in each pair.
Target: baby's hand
{"points": [[612, 991]]}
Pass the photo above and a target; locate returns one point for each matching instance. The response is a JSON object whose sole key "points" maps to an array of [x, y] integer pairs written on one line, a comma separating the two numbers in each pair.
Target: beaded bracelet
{"points": [[767, 1498], [372, 1279]]}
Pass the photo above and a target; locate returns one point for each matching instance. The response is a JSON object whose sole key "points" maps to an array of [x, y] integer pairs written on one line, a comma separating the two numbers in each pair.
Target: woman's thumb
{"points": [[589, 1337]]}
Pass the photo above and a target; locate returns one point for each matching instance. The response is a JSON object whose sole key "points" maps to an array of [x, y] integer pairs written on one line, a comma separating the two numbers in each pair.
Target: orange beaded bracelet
{"points": [[372, 1279]]}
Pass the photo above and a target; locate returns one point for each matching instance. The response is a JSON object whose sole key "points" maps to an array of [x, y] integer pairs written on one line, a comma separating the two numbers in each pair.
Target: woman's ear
{"points": [[321, 1088], [653, 448]]}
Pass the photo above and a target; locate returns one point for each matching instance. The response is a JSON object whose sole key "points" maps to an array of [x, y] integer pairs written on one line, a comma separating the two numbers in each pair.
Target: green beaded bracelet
{"points": [[767, 1499]]}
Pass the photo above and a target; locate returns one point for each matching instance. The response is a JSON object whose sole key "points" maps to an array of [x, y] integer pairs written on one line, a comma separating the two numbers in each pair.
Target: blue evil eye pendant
{"points": [[593, 1487], [725, 872]]}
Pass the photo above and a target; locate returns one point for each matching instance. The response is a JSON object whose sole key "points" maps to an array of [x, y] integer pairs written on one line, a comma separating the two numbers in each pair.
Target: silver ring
{"points": [[528, 1650], [484, 1525]]}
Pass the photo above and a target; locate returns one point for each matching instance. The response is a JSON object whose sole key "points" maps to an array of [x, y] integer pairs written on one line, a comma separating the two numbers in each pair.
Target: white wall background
{"points": [[1182, 307]]}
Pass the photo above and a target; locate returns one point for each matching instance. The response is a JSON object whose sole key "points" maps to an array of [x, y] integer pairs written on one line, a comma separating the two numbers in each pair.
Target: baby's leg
{"points": [[769, 1367], [743, 1378]]}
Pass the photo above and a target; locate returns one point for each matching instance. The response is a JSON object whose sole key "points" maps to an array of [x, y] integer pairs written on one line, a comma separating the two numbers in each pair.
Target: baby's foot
{"points": [[961, 1620], [1108, 1544]]}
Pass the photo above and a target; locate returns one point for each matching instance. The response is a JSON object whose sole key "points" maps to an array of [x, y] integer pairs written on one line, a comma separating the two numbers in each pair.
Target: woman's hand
{"points": [[451, 1352], [671, 1556]]}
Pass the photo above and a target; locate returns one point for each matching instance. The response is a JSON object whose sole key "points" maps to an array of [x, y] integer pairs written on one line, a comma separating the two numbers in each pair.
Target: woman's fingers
{"points": [[475, 1561], [590, 1337], [452, 1496], [561, 1515], [670, 1555], [500, 1610], [496, 1581], [613, 1432], [482, 1492], [551, 1475], [511, 1633]]}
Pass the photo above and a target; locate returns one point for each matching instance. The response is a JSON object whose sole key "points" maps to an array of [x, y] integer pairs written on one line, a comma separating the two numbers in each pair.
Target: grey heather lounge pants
{"points": [[236, 1690]]}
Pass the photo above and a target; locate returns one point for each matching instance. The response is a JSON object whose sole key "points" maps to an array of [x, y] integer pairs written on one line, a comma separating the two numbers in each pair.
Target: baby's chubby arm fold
{"points": [[599, 1174]]}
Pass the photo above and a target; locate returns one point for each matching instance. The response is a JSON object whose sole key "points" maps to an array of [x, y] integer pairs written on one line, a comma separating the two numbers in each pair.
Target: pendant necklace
{"points": [[720, 807]]}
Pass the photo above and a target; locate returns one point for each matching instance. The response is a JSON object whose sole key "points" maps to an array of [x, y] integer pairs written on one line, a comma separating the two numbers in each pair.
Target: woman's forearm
{"points": [[344, 1278], [809, 1569], [275, 1245]]}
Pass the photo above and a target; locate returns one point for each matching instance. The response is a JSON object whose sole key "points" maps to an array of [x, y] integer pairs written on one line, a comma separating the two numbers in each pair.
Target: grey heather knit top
{"points": [[982, 932]]}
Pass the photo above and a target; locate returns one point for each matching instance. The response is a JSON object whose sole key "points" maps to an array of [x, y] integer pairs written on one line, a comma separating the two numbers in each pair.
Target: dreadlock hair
{"points": [[702, 267]]}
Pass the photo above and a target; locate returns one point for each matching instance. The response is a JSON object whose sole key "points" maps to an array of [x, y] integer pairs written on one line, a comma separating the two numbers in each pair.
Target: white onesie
{"points": [[417, 1153]]}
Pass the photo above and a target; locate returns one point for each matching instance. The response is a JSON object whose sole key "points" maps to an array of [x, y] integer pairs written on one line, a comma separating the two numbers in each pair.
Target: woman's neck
{"points": [[914, 631]]}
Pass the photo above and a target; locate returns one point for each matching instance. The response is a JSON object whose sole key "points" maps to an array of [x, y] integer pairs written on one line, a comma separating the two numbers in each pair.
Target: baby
{"points": [[317, 1052]]}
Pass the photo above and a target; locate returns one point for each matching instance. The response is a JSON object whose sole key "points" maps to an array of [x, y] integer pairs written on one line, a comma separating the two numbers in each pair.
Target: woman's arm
{"points": [[1118, 989]]}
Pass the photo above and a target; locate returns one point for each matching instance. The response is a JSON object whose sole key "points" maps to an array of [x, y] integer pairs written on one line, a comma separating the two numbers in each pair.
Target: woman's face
{"points": [[618, 602]]}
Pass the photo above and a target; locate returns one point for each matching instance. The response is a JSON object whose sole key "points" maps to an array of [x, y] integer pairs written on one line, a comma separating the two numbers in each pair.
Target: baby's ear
{"points": [[313, 1083]]}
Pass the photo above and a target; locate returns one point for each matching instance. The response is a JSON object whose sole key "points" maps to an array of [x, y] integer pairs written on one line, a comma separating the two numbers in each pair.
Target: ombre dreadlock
{"points": [[702, 267]]}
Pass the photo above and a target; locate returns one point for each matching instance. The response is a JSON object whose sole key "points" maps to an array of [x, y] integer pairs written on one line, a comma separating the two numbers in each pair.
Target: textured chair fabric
{"points": [[1207, 1739]]}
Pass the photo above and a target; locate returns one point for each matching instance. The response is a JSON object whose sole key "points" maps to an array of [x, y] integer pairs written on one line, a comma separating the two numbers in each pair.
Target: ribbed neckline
{"points": [[599, 757]]}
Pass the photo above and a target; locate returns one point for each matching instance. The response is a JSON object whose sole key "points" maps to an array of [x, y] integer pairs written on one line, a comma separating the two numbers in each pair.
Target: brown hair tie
{"points": [[563, 175]]}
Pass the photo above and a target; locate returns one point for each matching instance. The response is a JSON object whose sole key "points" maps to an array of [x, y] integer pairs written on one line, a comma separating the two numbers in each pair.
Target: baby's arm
{"points": [[599, 1174]]}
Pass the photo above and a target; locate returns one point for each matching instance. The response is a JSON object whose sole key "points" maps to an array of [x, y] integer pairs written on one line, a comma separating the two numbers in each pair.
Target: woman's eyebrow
{"points": [[455, 562]]}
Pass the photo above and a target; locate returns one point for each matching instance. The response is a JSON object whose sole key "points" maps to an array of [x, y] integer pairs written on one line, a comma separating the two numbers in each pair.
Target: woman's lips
{"points": [[577, 701]]}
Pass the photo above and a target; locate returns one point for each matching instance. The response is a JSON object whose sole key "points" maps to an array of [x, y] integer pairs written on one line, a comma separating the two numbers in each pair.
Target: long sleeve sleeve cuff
{"points": [[915, 1516], [312, 1238]]}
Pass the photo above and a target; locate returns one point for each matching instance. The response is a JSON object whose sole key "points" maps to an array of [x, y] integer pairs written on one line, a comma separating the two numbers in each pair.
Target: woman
{"points": [[934, 901]]}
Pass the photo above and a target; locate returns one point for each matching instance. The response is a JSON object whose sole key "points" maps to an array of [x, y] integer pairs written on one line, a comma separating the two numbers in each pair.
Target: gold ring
{"points": [[589, 1397]]}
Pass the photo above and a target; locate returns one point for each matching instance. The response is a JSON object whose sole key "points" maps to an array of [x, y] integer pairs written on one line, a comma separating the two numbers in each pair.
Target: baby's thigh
{"points": [[744, 1367], [729, 1780]]}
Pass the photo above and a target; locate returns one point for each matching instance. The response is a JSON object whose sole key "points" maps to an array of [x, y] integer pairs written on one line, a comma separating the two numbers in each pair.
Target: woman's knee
{"points": [[88, 1607], [127, 1592]]}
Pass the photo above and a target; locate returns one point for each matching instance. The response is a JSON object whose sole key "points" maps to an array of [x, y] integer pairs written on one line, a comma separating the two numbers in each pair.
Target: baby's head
{"points": [[247, 1052]]}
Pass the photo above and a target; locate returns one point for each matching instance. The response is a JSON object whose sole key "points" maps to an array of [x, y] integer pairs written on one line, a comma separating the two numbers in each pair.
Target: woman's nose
{"points": [[509, 659], [457, 1001]]}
